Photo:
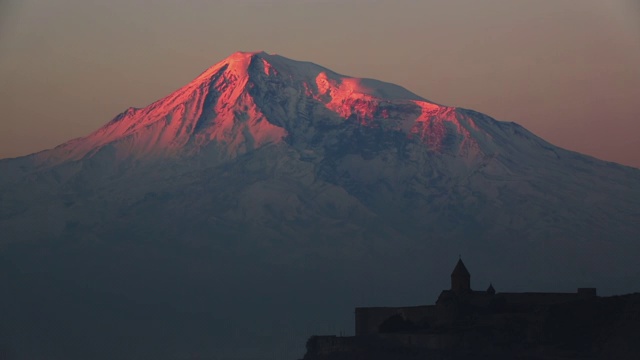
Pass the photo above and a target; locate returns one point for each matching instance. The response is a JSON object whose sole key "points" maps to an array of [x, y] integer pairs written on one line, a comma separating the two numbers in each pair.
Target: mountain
{"points": [[259, 203]]}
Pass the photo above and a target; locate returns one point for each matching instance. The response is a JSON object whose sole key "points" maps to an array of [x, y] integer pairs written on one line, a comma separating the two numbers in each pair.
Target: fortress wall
{"points": [[531, 298], [417, 314], [368, 320], [426, 341], [325, 345]]}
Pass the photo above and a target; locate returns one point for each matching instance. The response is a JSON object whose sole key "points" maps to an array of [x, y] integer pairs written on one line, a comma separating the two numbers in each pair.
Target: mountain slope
{"points": [[267, 187]]}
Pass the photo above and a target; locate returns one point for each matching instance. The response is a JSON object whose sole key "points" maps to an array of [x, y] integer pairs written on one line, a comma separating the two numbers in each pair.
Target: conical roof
{"points": [[460, 269], [491, 289]]}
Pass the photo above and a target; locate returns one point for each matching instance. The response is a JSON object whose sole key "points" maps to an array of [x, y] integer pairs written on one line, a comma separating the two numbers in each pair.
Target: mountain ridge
{"points": [[228, 83], [194, 201]]}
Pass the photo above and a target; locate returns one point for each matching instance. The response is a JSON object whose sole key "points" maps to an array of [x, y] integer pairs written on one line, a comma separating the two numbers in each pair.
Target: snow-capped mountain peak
{"points": [[271, 169], [251, 99]]}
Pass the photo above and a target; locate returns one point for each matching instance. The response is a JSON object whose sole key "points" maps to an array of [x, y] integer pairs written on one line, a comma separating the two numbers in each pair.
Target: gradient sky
{"points": [[568, 70]]}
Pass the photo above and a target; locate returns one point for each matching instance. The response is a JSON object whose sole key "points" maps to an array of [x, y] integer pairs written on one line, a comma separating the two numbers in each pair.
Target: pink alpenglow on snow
{"points": [[225, 106]]}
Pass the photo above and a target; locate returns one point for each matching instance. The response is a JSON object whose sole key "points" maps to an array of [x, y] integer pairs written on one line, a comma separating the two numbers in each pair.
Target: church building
{"points": [[458, 305]]}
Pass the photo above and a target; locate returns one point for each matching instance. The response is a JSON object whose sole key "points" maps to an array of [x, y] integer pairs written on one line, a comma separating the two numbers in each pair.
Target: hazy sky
{"points": [[568, 70]]}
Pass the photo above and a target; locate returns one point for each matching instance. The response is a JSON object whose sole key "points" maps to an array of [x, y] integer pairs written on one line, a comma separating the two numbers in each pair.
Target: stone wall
{"points": [[368, 320]]}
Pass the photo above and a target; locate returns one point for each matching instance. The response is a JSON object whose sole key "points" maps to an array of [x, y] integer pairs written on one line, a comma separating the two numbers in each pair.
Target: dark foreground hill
{"points": [[210, 222]]}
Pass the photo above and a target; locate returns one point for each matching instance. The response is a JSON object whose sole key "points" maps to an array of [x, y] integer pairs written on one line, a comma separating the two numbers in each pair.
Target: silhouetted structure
{"points": [[458, 304], [460, 278], [469, 324]]}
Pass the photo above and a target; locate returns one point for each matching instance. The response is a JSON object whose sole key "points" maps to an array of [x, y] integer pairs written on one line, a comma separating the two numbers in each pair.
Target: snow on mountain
{"points": [[344, 187], [367, 149], [252, 99]]}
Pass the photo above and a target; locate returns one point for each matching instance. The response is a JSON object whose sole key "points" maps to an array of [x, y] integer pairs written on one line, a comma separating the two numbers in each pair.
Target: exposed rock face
{"points": [[279, 175]]}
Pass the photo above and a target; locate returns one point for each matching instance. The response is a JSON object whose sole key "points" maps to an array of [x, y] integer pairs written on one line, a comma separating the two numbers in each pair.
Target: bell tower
{"points": [[460, 278]]}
